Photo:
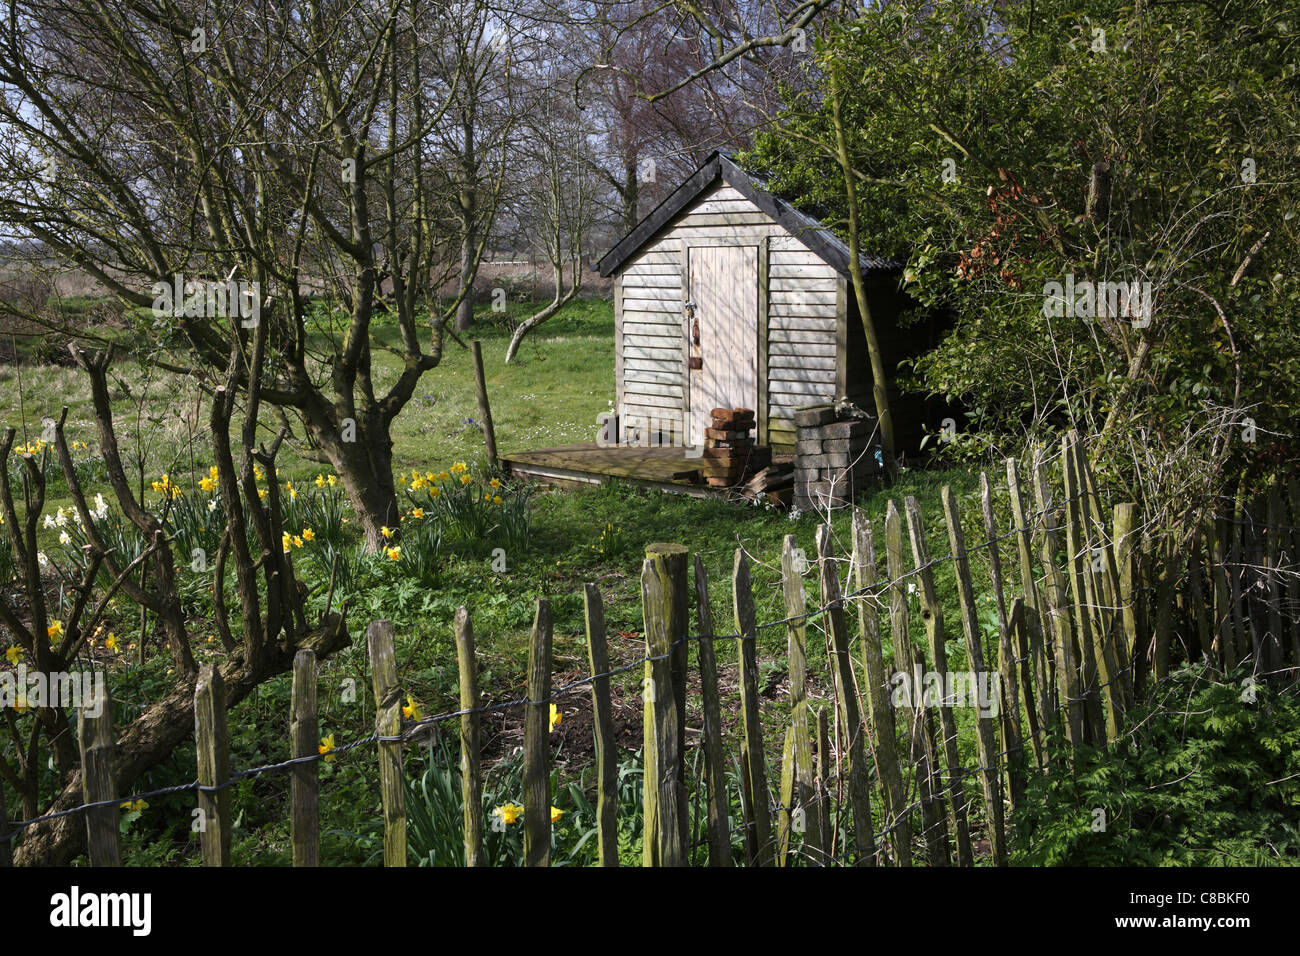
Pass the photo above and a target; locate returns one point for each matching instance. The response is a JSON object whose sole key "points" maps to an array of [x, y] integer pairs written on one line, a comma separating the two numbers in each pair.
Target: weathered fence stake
{"points": [[896, 822], [1058, 605], [714, 767], [670, 562], [304, 779], [484, 409], [603, 728], [1012, 741], [103, 836], [990, 775], [388, 724], [212, 745], [797, 773], [1037, 666], [537, 746], [471, 779], [824, 778], [932, 615], [864, 838], [753, 767], [916, 720]]}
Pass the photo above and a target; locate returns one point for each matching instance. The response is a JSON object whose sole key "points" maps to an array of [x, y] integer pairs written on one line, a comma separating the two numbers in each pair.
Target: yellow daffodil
{"points": [[326, 748], [465, 479], [308, 534], [435, 492], [257, 472], [112, 643], [394, 554], [286, 540], [20, 704], [320, 481], [386, 531], [417, 513], [206, 484], [297, 541], [556, 717], [212, 472], [331, 480], [135, 806], [261, 494], [444, 476], [496, 499], [509, 812], [411, 711], [495, 483], [487, 497], [54, 631], [14, 654], [556, 813]]}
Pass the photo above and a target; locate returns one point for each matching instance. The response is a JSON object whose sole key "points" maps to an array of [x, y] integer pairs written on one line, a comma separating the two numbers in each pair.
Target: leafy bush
{"points": [[1206, 778]]}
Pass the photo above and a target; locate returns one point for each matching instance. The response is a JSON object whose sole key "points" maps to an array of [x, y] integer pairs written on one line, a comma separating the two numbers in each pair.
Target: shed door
{"points": [[724, 286]]}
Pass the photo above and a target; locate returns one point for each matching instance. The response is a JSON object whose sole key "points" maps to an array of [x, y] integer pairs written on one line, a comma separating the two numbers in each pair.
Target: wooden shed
{"points": [[725, 295]]}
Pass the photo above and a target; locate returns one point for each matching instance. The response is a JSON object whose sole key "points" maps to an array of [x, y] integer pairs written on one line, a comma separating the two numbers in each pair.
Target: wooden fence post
{"points": [[671, 561], [990, 775], [6, 844], [663, 843], [212, 745], [103, 836], [798, 778], [304, 779], [471, 780], [1293, 577], [1273, 553], [1067, 668], [602, 728], [1012, 741], [1222, 594], [932, 615], [388, 724], [824, 779], [537, 745], [916, 719], [1126, 548], [714, 767], [484, 409], [753, 767], [896, 821], [846, 688], [1085, 606]]}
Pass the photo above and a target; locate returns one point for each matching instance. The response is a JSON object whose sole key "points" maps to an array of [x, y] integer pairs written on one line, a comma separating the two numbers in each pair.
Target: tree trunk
{"points": [[468, 211], [364, 466]]}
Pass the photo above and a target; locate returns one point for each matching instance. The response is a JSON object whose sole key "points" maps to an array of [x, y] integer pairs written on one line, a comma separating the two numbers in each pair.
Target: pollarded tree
{"points": [[285, 150]]}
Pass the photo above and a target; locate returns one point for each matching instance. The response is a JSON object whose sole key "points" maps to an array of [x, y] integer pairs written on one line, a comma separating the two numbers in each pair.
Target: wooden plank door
{"points": [[724, 287]]}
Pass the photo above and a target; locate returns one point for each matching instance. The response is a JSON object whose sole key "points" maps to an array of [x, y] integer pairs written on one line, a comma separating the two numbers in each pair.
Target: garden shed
{"points": [[726, 295]]}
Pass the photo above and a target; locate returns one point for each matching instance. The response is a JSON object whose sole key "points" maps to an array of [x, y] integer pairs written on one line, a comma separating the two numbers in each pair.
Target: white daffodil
{"points": [[101, 507], [212, 505], [60, 518], [49, 521], [64, 538], [42, 560]]}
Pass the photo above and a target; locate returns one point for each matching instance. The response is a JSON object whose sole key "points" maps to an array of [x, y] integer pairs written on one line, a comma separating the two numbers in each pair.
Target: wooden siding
{"points": [[796, 329]]}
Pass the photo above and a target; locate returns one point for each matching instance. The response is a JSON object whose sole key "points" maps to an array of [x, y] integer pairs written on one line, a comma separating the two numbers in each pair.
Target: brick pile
{"points": [[730, 455], [834, 458]]}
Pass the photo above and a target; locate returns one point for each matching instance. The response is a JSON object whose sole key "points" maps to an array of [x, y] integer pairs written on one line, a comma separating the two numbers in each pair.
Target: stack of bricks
{"points": [[833, 460], [730, 455]]}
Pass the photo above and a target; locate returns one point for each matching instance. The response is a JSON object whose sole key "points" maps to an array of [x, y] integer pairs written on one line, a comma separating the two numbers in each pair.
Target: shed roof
{"points": [[720, 167]]}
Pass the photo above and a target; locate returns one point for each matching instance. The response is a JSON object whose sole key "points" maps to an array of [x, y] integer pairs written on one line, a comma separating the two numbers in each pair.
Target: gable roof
{"points": [[720, 168]]}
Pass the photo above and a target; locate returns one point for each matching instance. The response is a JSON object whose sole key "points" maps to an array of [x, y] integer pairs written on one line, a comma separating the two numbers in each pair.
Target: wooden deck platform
{"points": [[590, 463]]}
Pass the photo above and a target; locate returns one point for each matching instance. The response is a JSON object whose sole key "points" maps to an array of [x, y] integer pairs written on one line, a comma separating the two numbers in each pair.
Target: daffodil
{"points": [[496, 499], [412, 710], [326, 748], [386, 531], [435, 492], [465, 479], [308, 534], [394, 554], [417, 513], [14, 654], [444, 476], [54, 631], [261, 494], [509, 812], [135, 806], [297, 541], [112, 643], [495, 482], [556, 813], [320, 481], [286, 541], [556, 717], [207, 484], [332, 479]]}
